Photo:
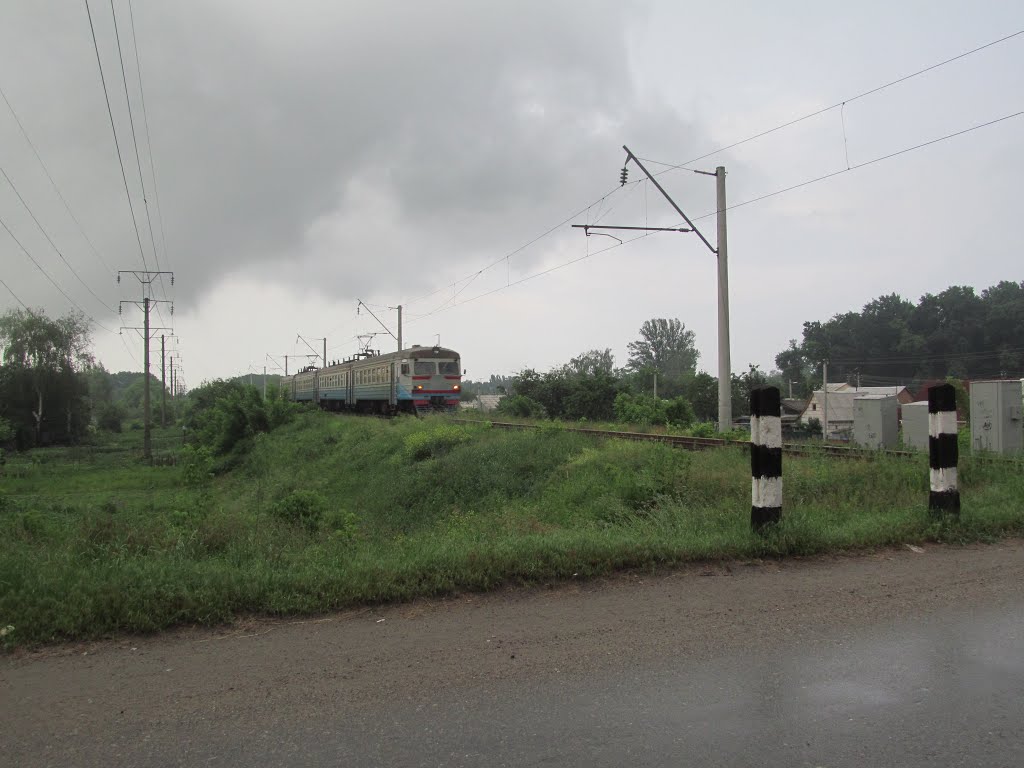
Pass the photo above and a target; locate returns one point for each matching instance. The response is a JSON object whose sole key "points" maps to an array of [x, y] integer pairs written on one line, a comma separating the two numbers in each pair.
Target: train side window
{"points": [[405, 369]]}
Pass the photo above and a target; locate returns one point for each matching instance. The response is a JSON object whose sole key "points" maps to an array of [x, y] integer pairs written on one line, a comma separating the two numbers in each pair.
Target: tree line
{"points": [[957, 333], [52, 389], [659, 384]]}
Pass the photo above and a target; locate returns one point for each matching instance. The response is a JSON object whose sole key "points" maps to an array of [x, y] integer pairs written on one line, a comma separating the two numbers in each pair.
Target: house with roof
{"points": [[841, 398]]}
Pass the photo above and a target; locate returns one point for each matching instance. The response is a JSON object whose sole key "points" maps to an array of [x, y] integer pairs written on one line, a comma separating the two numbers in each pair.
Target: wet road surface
{"points": [[890, 659]]}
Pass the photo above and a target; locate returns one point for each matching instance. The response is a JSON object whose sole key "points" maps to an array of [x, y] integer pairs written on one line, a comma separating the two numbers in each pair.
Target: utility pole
{"points": [[655, 385], [824, 398], [147, 437], [724, 362], [163, 384], [146, 279], [264, 382], [399, 327], [721, 252]]}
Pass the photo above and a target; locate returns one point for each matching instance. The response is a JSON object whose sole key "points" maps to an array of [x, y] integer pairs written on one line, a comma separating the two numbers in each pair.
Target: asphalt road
{"points": [[891, 659]]}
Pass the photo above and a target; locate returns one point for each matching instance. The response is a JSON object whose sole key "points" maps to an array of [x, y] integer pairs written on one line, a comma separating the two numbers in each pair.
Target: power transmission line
{"points": [[866, 163], [24, 306], [128, 349], [53, 183], [135, 143], [50, 241], [48, 277], [837, 105], [149, 144], [521, 248], [117, 146], [731, 207], [672, 166]]}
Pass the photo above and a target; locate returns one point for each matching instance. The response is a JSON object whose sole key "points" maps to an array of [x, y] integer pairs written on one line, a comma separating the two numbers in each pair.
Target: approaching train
{"points": [[416, 380]]}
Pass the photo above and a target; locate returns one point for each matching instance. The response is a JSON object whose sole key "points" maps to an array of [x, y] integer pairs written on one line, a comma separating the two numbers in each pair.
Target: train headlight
{"points": [[456, 387], [418, 386]]}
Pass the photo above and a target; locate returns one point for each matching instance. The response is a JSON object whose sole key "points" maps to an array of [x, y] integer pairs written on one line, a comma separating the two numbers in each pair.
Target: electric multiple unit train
{"points": [[416, 380]]}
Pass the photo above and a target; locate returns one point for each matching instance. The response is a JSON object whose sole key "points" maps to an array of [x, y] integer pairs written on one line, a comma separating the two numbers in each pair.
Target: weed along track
{"points": [[691, 443], [706, 443], [332, 511]]}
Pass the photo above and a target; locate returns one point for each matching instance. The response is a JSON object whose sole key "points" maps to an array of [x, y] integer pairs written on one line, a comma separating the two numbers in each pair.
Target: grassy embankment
{"points": [[328, 512]]}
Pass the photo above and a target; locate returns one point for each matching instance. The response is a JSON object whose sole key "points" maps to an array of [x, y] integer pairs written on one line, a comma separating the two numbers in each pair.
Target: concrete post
{"points": [[724, 362], [943, 451], [765, 457]]}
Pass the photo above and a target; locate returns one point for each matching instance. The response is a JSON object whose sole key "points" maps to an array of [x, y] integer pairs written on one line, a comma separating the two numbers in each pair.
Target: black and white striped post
{"points": [[943, 452], [765, 457]]}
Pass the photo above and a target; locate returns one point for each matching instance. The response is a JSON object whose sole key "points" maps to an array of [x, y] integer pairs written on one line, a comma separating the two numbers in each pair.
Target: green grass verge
{"points": [[330, 511]]}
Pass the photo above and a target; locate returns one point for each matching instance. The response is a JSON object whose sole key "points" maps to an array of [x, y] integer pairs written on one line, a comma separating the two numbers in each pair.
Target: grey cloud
{"points": [[397, 131]]}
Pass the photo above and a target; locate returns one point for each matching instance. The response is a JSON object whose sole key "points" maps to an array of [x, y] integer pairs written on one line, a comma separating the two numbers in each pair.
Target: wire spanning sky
{"points": [[309, 154]]}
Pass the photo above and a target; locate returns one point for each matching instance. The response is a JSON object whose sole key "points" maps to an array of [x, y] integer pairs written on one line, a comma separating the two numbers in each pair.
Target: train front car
{"points": [[430, 379]]}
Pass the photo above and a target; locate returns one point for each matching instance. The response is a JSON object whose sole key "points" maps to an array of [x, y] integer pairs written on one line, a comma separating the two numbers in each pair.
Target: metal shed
{"points": [[875, 421], [996, 424], [915, 425]]}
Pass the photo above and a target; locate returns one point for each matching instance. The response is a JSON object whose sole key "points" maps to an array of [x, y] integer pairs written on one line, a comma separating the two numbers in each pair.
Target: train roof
{"points": [[415, 352]]}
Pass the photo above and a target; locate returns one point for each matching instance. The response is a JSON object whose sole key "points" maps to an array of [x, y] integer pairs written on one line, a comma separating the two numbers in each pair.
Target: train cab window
{"points": [[424, 368], [449, 367]]}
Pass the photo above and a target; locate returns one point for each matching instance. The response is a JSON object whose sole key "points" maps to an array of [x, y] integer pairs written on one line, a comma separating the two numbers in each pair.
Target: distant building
{"points": [[841, 406], [483, 402], [792, 410]]}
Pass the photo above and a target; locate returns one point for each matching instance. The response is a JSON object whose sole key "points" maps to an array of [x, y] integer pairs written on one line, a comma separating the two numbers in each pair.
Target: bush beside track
{"points": [[326, 512]]}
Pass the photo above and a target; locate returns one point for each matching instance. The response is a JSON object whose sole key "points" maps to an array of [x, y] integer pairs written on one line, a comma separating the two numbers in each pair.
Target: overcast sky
{"points": [[310, 154]]}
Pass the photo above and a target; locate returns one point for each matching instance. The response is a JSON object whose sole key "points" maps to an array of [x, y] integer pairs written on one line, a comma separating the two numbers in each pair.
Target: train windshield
{"points": [[424, 368], [449, 367]]}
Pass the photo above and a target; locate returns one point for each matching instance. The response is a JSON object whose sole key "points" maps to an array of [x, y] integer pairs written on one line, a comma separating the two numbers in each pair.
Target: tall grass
{"points": [[333, 511]]}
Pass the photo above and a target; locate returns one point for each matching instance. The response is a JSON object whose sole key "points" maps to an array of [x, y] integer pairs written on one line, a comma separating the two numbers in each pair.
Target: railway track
{"points": [[707, 443]]}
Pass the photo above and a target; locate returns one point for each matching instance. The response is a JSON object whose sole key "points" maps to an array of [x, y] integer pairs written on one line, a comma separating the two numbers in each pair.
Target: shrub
{"points": [[301, 508], [646, 410], [196, 465], [342, 525], [434, 443], [109, 418], [521, 406], [226, 415], [703, 429]]}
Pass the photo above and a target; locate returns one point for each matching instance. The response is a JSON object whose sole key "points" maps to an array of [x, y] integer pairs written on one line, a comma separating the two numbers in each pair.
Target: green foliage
{"points": [[226, 415], [434, 443], [196, 465], [110, 417], [301, 508], [703, 429], [647, 410], [956, 333], [94, 544], [565, 393], [43, 383], [810, 429], [521, 406], [665, 346]]}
